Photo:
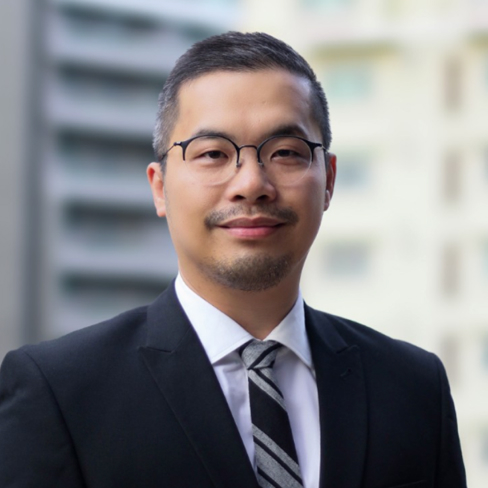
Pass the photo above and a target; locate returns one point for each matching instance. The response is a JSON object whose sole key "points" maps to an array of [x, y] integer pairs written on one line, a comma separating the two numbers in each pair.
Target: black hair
{"points": [[233, 51]]}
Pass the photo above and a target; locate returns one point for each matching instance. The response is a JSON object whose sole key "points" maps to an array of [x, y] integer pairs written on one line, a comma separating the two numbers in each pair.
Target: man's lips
{"points": [[252, 227], [265, 215], [252, 222]]}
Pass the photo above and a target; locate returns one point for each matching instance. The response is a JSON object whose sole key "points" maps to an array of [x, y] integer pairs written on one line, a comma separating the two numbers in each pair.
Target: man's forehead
{"points": [[248, 96]]}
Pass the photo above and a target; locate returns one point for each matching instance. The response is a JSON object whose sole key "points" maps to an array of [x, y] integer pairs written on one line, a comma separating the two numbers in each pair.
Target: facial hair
{"points": [[256, 272], [248, 273]]}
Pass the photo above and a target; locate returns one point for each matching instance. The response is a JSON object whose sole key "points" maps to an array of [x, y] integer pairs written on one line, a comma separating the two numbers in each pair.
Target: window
{"points": [[107, 88], [93, 158], [194, 33], [449, 352], [347, 260], [452, 177], [103, 25], [354, 171], [348, 82], [102, 296], [453, 83], [451, 263], [98, 228]]}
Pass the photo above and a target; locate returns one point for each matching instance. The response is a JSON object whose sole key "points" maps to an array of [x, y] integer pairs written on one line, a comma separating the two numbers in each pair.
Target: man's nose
{"points": [[250, 181]]}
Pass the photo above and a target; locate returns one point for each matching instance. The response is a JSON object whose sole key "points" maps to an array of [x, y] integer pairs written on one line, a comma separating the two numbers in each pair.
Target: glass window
{"points": [[348, 82], [451, 269], [101, 228], [99, 24], [449, 353], [194, 33], [347, 259], [104, 297], [452, 177], [453, 88], [97, 86], [353, 171], [84, 156]]}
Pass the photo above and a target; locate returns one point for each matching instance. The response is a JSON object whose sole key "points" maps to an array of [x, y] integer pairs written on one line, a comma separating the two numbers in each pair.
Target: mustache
{"points": [[217, 217]]}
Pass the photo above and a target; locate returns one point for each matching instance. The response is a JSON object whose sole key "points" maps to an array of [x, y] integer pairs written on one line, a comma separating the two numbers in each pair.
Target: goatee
{"points": [[249, 273]]}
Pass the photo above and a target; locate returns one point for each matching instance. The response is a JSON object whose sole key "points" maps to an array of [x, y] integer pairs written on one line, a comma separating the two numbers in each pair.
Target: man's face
{"points": [[247, 233]]}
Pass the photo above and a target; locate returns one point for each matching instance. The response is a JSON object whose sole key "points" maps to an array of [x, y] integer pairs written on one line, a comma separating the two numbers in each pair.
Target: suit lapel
{"points": [[183, 373], [342, 403]]}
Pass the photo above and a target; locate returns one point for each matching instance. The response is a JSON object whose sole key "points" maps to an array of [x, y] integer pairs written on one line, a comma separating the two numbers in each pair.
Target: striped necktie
{"points": [[276, 457]]}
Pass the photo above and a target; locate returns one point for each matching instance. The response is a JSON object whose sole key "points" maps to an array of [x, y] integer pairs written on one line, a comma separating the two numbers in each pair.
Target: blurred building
{"points": [[13, 54], [93, 243], [404, 246]]}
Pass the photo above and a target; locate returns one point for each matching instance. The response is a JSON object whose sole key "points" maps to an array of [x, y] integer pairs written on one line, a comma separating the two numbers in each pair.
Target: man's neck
{"points": [[258, 312]]}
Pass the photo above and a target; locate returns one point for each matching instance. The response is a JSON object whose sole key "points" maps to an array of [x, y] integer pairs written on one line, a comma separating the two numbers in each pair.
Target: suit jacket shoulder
{"points": [[132, 401], [377, 349], [89, 342], [401, 399]]}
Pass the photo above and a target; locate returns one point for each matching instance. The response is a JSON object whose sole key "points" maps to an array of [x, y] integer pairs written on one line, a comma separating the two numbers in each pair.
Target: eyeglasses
{"points": [[213, 159]]}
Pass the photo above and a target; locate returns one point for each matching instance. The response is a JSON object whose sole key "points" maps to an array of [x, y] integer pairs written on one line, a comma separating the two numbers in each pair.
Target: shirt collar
{"points": [[220, 335]]}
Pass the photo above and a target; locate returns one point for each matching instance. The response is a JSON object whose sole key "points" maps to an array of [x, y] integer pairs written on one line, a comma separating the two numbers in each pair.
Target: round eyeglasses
{"points": [[213, 159]]}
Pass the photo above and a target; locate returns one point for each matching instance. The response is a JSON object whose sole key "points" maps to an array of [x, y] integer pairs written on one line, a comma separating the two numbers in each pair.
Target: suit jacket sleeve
{"points": [[451, 473], [35, 446]]}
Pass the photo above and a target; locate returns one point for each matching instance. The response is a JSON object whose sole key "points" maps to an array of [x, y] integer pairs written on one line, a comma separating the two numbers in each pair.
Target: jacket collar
{"points": [[184, 375], [342, 402]]}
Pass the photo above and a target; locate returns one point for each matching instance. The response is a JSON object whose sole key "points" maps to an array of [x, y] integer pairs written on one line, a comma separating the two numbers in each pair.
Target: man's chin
{"points": [[248, 273]]}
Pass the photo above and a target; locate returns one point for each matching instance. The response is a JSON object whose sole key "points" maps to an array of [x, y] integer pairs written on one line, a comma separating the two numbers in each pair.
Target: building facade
{"points": [[94, 245]]}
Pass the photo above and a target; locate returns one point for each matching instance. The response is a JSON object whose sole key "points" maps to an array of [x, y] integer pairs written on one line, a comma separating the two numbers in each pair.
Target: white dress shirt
{"points": [[221, 338]]}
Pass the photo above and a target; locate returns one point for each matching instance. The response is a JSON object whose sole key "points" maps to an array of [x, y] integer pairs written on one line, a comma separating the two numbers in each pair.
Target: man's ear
{"points": [[331, 175], [155, 178]]}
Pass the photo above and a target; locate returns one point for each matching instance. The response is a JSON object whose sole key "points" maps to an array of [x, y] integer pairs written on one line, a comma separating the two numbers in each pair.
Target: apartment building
{"points": [[93, 245]]}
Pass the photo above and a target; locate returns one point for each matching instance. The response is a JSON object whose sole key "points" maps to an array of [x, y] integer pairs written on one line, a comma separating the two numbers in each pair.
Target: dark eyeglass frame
{"points": [[184, 144]]}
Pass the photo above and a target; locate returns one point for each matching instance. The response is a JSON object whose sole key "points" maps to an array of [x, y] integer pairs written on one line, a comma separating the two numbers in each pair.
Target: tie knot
{"points": [[259, 354]]}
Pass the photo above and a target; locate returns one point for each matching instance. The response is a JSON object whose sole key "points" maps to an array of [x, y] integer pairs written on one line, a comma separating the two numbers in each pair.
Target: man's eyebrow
{"points": [[281, 130], [286, 130], [212, 133]]}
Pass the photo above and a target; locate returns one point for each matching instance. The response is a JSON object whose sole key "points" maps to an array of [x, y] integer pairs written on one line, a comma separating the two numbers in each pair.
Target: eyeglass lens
{"points": [[213, 159]]}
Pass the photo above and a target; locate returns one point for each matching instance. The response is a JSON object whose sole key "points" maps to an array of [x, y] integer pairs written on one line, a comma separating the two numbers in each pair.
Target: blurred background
{"points": [[404, 247]]}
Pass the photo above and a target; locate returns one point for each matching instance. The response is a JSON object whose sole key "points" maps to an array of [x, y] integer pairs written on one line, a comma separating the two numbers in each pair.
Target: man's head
{"points": [[248, 177], [239, 52]]}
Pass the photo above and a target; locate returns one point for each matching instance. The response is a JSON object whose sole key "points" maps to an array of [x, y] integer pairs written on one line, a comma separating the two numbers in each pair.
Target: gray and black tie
{"points": [[276, 457]]}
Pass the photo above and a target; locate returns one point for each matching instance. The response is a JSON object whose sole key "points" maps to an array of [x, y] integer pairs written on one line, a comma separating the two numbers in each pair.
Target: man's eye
{"points": [[213, 157], [285, 153], [215, 154]]}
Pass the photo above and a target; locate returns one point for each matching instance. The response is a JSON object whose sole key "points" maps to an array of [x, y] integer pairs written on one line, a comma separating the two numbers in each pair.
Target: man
{"points": [[228, 379]]}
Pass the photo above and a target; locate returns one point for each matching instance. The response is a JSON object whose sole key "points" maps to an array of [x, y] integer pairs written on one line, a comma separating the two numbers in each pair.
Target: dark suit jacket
{"points": [[134, 403]]}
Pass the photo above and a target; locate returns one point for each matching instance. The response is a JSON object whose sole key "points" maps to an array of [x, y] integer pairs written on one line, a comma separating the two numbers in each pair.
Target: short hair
{"points": [[233, 51]]}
